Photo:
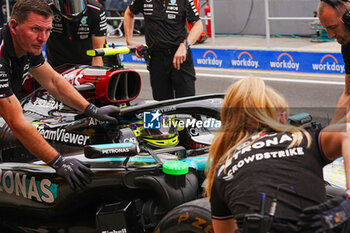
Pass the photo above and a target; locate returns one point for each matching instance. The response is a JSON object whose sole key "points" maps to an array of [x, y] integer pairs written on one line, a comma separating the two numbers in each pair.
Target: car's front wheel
{"points": [[190, 217]]}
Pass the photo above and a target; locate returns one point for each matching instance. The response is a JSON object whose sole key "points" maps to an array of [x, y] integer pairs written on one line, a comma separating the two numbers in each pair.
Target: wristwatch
{"points": [[187, 44]]}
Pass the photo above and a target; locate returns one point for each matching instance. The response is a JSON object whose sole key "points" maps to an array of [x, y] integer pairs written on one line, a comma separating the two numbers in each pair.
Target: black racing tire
{"points": [[190, 217]]}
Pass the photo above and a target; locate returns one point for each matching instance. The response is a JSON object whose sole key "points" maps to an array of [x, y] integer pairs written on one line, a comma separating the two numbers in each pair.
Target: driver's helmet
{"points": [[71, 9], [165, 136]]}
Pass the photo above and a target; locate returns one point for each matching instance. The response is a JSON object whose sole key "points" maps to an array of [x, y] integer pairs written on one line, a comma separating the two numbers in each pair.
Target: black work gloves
{"points": [[73, 170], [325, 216], [105, 113]]}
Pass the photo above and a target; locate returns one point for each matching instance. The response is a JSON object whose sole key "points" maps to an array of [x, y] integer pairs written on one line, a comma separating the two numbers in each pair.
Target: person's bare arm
{"points": [[335, 138], [59, 87], [341, 113], [97, 43], [224, 226], [335, 142], [346, 156], [181, 52], [197, 29], [129, 27], [11, 111]]}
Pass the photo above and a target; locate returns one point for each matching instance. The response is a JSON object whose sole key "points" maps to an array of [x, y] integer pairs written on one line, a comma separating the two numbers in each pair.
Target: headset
{"points": [[346, 16]]}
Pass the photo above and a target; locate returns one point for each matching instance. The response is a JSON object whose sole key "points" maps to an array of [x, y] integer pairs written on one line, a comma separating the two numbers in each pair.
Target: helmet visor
{"points": [[70, 8], [162, 133]]}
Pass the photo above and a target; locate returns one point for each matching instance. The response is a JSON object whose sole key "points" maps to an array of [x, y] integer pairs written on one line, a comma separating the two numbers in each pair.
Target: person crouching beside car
{"points": [[258, 161]]}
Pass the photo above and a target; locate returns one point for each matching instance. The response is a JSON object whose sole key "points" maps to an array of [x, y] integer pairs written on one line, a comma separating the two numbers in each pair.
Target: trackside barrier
{"points": [[291, 61]]}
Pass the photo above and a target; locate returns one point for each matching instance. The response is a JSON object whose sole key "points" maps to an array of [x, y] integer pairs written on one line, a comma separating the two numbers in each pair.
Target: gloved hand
{"points": [[325, 216], [140, 50], [73, 170], [143, 52], [105, 113]]}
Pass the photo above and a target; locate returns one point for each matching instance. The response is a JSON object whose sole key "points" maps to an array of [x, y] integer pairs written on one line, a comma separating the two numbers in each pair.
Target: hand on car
{"points": [[105, 113], [325, 216], [139, 51], [137, 45], [73, 170]]}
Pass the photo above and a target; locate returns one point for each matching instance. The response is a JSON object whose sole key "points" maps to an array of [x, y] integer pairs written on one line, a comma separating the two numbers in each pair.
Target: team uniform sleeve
{"points": [[36, 61], [192, 13], [219, 208], [99, 23], [136, 6], [5, 75], [345, 50], [317, 139]]}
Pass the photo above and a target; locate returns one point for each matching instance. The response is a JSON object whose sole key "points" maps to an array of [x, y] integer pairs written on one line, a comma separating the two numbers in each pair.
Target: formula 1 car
{"points": [[148, 169], [140, 173], [133, 185]]}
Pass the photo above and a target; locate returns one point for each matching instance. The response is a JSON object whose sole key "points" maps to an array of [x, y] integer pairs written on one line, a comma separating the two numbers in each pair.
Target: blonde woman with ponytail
{"points": [[257, 157]]}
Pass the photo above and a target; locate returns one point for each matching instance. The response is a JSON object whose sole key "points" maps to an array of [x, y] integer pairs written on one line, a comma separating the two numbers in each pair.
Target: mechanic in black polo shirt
{"points": [[77, 26], [21, 43], [171, 66], [334, 16]]}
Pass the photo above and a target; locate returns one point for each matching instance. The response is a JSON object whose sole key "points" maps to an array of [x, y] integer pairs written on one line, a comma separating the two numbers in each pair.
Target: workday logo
{"points": [[136, 59], [285, 61], [328, 63], [151, 120], [246, 61], [209, 58]]}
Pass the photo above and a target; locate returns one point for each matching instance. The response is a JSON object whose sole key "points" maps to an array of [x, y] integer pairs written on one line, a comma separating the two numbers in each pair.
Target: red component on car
{"points": [[104, 85]]}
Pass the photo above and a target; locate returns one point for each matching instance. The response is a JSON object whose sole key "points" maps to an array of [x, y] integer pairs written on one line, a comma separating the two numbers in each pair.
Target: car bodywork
{"points": [[33, 198]]}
